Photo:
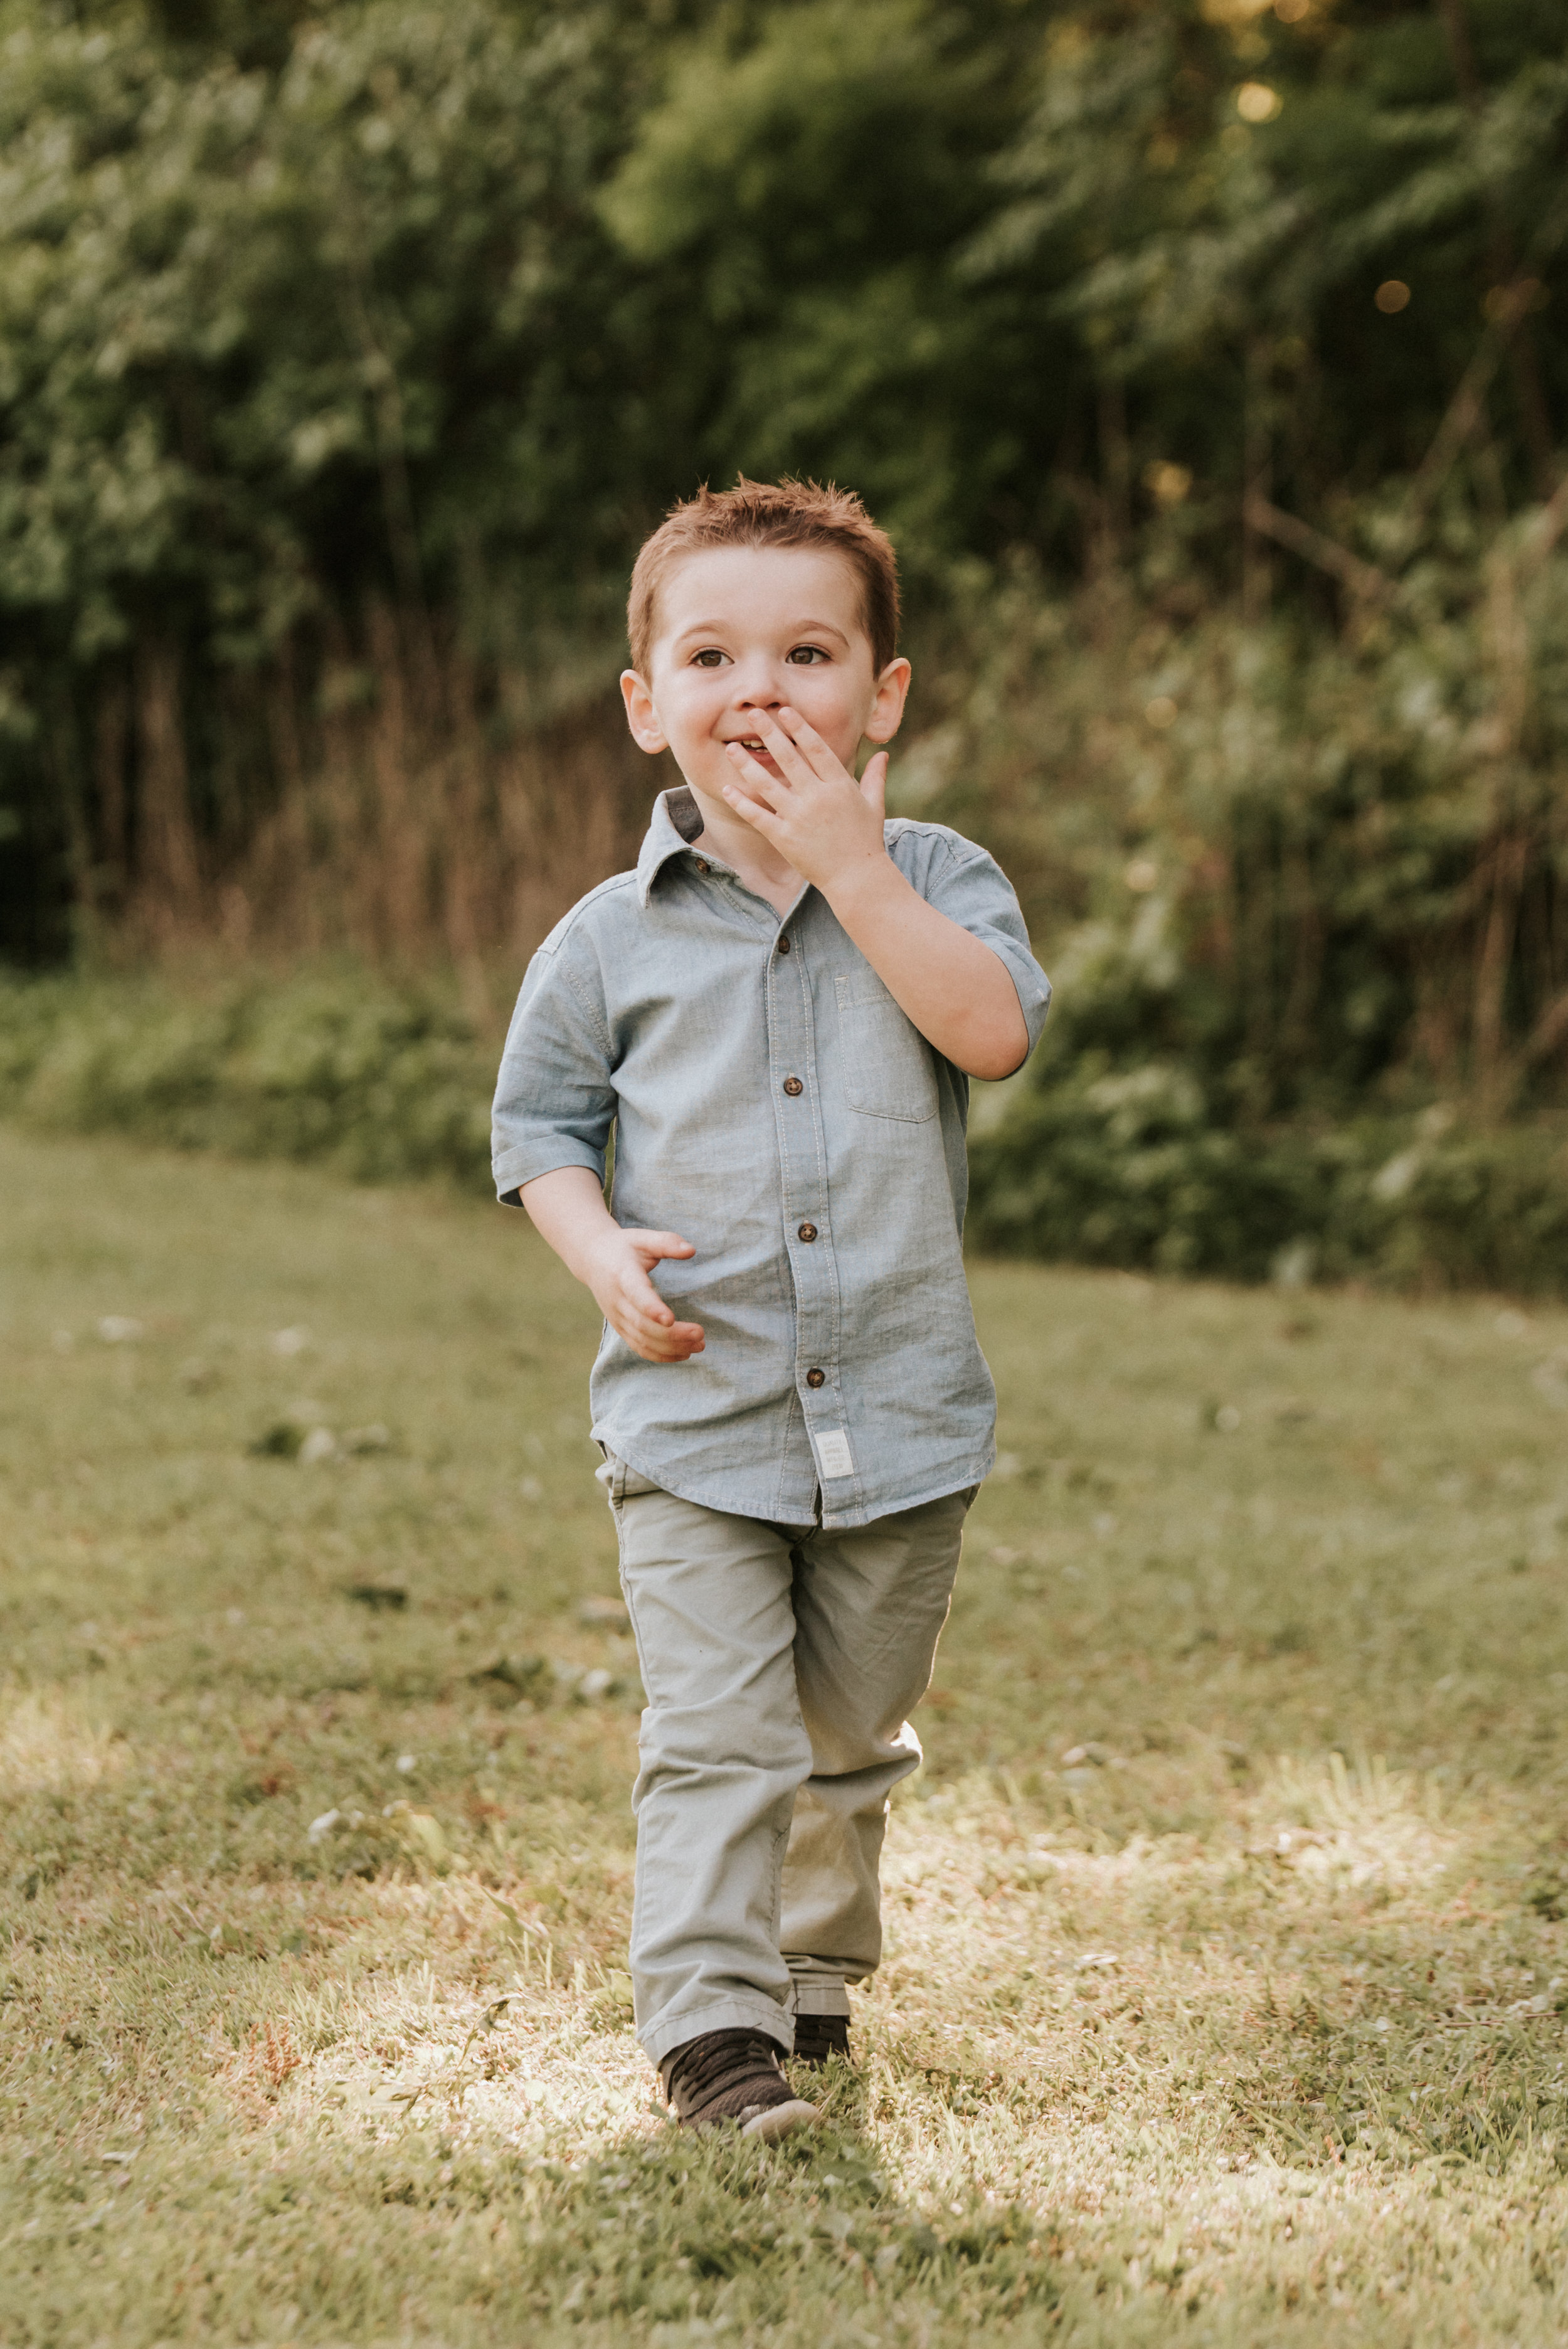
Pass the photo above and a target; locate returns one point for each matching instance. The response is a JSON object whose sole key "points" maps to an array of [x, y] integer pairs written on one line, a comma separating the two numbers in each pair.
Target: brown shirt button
{"points": [[816, 1378], [793, 1086], [703, 865], [783, 946], [808, 1232]]}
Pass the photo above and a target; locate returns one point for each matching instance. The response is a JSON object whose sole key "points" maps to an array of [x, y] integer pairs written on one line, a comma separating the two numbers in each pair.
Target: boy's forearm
{"points": [[567, 1209], [958, 993]]}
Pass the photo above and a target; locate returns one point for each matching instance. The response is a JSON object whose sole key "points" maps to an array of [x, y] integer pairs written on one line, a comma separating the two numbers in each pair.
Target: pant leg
{"points": [[722, 1752], [868, 1607]]}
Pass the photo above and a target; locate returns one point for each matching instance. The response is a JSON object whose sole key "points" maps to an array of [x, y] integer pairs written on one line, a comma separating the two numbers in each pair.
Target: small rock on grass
{"points": [[605, 1612]]}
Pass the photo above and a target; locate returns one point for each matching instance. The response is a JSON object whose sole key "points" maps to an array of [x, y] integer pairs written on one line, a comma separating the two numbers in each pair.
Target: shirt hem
{"points": [[832, 1520]]}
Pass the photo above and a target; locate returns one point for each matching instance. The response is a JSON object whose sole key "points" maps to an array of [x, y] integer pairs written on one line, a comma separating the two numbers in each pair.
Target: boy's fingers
{"points": [[798, 751], [761, 780], [873, 783], [752, 811], [661, 1244], [642, 1299], [654, 1334], [822, 762], [642, 1329], [666, 1345], [785, 752], [640, 1302], [643, 1319]]}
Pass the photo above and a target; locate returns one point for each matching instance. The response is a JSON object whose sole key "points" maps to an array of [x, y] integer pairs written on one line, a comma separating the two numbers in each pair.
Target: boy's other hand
{"points": [[618, 1278], [812, 809], [567, 1207]]}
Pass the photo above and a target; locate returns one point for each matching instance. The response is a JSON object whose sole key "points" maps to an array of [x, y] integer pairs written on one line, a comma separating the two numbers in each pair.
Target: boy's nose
{"points": [[757, 686]]}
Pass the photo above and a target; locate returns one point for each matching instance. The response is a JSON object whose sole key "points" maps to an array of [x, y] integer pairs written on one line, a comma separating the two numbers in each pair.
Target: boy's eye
{"points": [[709, 657], [806, 656]]}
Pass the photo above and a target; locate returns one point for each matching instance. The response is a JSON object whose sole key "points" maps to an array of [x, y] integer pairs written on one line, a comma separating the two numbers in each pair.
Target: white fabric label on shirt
{"points": [[834, 1454]]}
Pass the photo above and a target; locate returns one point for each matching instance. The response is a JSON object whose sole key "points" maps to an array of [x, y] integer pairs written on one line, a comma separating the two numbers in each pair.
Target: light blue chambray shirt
{"points": [[772, 1104]]}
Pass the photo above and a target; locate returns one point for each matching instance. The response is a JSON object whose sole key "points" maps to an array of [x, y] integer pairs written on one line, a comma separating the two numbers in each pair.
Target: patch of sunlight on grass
{"points": [[525, 2065], [1360, 1822], [50, 1745]]}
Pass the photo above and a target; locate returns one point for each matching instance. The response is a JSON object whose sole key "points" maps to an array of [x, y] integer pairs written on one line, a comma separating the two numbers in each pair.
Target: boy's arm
{"points": [[568, 1208], [554, 1112], [959, 994]]}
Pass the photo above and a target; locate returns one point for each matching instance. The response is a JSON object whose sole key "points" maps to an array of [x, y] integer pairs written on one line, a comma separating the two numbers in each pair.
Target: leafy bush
{"points": [[1084, 1158], [387, 1082], [1109, 1149], [1128, 1168]]}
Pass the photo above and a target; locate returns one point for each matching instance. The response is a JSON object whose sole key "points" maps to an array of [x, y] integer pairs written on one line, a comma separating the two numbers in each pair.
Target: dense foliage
{"points": [[1201, 353], [425, 300]]}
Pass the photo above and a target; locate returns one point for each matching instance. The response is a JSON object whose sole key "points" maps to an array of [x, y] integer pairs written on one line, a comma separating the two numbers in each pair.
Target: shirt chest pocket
{"points": [[888, 1064]]}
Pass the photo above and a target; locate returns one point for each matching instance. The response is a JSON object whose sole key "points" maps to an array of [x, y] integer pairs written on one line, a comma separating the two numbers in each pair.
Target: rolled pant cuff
{"points": [[668, 2032], [820, 1998]]}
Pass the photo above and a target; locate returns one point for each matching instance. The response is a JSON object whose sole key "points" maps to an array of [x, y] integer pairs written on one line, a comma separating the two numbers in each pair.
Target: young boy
{"points": [[778, 1013]]}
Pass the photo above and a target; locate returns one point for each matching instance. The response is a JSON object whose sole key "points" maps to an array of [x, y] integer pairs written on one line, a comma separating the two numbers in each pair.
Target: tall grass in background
{"points": [[397, 802]]}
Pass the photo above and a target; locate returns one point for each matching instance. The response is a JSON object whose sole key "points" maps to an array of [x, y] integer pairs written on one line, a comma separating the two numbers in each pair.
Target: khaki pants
{"points": [[779, 1664]]}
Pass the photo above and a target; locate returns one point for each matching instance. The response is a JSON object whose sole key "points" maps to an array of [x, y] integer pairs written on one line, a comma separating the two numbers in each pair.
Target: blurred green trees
{"points": [[1203, 358], [299, 304]]}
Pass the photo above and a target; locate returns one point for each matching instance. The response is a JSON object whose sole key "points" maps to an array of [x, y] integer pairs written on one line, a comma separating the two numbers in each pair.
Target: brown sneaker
{"points": [[733, 2075], [818, 2037]]}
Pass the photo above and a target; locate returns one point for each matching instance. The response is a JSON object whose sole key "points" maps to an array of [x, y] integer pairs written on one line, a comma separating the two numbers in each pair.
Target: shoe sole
{"points": [[780, 2120]]}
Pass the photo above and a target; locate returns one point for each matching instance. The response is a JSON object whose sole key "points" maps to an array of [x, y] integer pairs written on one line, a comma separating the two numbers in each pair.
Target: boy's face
{"points": [[743, 628]]}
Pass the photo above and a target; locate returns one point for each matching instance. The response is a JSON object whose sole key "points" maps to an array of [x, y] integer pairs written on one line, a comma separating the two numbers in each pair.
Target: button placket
{"points": [[803, 1171]]}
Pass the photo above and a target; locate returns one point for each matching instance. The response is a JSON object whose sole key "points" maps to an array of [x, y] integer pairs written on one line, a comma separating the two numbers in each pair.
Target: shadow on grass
{"points": [[700, 2236]]}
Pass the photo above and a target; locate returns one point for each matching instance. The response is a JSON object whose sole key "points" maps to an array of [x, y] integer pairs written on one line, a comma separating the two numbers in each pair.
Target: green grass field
{"points": [[1226, 1988]]}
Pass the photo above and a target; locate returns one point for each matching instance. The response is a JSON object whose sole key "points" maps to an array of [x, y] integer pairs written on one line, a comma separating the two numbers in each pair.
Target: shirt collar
{"points": [[676, 823]]}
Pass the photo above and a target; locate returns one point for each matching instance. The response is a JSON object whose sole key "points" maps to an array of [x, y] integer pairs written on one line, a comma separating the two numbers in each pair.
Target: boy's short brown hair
{"points": [[770, 513]]}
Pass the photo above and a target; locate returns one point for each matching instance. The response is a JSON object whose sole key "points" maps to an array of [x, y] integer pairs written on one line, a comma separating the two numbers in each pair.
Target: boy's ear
{"points": [[887, 707], [641, 716]]}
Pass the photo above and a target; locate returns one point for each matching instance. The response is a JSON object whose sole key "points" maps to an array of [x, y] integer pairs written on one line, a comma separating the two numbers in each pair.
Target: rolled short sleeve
{"points": [[555, 1096], [971, 888]]}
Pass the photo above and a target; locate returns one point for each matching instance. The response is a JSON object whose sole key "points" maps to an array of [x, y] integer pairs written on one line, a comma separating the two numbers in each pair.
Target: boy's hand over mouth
{"points": [[812, 810]]}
